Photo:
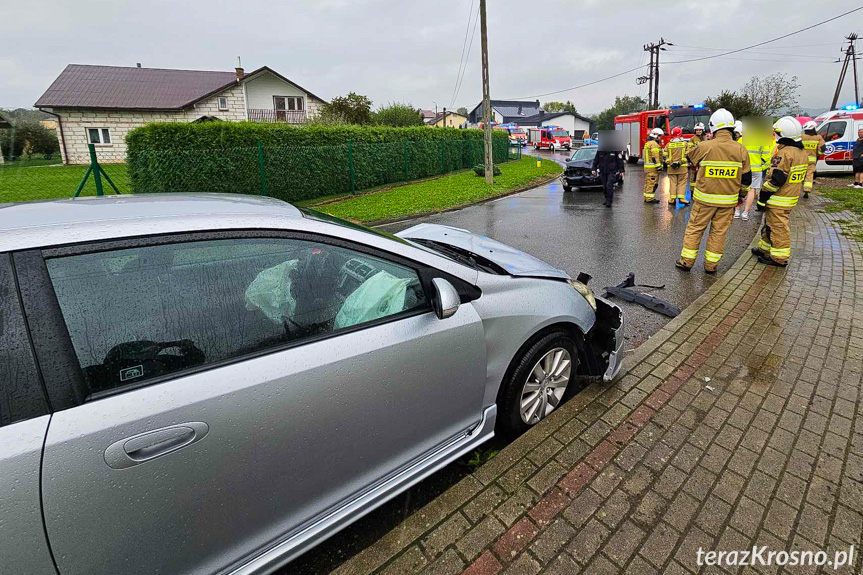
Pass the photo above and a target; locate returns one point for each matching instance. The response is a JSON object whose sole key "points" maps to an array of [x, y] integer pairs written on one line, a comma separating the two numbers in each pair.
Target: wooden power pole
{"points": [[653, 77], [850, 57], [486, 99]]}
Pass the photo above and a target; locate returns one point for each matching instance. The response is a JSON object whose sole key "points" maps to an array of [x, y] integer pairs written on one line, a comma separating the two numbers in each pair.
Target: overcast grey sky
{"points": [[409, 51]]}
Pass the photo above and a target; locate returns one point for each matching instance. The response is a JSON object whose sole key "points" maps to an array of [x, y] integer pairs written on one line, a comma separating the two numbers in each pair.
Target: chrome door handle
{"points": [[152, 444]]}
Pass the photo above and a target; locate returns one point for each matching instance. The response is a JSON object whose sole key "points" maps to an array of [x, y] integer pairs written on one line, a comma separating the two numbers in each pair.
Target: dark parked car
{"points": [[578, 168]]}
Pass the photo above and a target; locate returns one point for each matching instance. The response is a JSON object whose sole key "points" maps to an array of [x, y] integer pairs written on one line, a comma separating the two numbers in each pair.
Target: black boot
{"points": [[679, 264], [770, 262]]}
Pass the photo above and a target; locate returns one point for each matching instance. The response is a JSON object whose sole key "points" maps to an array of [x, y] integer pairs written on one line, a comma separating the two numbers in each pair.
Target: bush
{"points": [[300, 162], [479, 170], [398, 115]]}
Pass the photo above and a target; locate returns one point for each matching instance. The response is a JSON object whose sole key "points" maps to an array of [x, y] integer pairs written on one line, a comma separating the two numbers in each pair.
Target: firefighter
{"points": [[738, 130], [698, 136], [723, 176], [652, 163], [678, 167], [780, 192], [813, 143]]}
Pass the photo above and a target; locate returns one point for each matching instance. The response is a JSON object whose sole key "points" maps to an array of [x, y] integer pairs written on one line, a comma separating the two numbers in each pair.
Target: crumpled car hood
{"points": [[515, 262]]}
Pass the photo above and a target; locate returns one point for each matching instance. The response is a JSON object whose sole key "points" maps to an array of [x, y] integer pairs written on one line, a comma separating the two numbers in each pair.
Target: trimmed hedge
{"points": [[299, 162]]}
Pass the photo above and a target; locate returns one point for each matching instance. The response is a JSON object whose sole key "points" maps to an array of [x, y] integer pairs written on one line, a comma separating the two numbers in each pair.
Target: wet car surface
{"points": [[574, 232]]}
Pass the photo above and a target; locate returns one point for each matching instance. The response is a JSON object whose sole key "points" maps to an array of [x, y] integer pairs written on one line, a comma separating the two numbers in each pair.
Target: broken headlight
{"points": [[585, 291]]}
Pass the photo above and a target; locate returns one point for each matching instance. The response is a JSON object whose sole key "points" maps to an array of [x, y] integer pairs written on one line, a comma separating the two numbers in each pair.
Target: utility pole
{"points": [[653, 77], [850, 56], [486, 99]]}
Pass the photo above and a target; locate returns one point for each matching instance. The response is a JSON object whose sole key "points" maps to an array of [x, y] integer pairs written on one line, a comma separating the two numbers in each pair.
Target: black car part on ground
{"points": [[623, 291]]}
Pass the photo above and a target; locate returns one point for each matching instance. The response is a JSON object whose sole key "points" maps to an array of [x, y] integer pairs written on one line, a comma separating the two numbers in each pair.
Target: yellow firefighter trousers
{"points": [[775, 241], [810, 178], [677, 187], [701, 216], [651, 180]]}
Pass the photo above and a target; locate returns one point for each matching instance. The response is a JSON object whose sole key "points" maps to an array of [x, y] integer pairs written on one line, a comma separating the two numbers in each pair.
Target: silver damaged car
{"points": [[216, 383]]}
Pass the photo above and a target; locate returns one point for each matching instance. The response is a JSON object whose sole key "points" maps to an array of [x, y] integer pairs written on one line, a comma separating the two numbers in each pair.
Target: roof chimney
{"points": [[239, 69], [138, 64]]}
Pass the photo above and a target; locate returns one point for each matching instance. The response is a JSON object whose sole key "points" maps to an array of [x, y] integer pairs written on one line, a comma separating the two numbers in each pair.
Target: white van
{"points": [[839, 130]]}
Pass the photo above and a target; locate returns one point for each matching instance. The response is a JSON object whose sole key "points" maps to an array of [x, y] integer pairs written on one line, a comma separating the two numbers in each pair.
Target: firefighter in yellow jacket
{"points": [[813, 143], [678, 167], [723, 176], [652, 163], [780, 192]]}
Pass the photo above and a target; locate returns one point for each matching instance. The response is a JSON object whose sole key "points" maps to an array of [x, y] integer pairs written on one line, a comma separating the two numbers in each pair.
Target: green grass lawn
{"points": [[846, 200], [446, 192], [20, 183]]}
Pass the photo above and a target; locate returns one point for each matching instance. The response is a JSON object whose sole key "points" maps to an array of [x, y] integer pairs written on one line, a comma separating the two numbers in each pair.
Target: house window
{"points": [[223, 103], [99, 136], [291, 103]]}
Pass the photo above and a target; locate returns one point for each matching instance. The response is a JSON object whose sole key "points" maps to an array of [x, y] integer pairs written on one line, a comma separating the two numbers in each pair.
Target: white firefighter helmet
{"points": [[657, 132], [810, 125], [699, 126], [788, 127], [738, 127], [720, 119]]}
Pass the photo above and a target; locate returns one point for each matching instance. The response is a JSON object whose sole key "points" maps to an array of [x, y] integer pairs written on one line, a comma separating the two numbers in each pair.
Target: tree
{"points": [[351, 109], [463, 111], [560, 107], [773, 94], [622, 105], [398, 115], [739, 105]]}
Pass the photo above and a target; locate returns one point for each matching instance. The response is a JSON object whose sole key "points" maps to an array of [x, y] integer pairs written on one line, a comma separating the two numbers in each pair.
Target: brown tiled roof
{"points": [[117, 87]]}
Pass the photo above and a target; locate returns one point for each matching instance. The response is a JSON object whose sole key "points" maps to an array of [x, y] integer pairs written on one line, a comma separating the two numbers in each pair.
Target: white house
{"points": [[100, 104], [572, 123]]}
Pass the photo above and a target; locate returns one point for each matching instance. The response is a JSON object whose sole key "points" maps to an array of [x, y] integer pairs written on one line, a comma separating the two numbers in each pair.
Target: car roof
{"points": [[28, 225]]}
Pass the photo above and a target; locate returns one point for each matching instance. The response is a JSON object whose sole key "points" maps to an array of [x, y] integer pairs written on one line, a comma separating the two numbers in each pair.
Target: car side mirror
{"points": [[446, 299]]}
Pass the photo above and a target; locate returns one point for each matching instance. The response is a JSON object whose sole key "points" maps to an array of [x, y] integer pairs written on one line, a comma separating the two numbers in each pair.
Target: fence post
{"points": [[351, 167], [263, 168], [405, 158], [94, 165]]}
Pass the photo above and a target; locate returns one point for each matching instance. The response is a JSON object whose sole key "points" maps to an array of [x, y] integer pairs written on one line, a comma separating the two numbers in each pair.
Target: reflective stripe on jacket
{"points": [[652, 155], [675, 153], [722, 164]]}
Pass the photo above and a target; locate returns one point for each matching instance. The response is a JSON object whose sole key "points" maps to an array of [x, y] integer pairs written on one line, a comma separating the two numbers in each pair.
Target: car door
{"points": [[23, 424], [236, 389]]}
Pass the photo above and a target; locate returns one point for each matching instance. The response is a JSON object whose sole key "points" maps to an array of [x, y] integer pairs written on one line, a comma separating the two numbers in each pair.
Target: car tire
{"points": [[551, 148], [567, 188], [518, 407], [535, 146]]}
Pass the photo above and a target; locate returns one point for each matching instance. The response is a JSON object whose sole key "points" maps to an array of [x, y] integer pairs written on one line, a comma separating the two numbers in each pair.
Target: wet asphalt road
{"points": [[574, 232]]}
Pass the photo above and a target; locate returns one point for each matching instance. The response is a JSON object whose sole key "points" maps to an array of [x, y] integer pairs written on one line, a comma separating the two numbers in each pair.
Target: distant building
{"points": [[100, 104], [448, 120], [428, 115], [575, 124], [506, 111], [48, 124]]}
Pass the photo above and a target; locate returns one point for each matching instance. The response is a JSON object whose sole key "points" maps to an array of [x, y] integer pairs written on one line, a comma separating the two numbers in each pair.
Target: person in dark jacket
{"points": [[608, 164]]}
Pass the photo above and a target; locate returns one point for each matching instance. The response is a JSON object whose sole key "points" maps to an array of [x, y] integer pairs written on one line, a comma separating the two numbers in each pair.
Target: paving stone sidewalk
{"points": [[738, 424]]}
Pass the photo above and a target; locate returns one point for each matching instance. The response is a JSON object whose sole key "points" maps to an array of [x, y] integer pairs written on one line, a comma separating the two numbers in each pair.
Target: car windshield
{"points": [[559, 134], [584, 154], [687, 123], [516, 131]]}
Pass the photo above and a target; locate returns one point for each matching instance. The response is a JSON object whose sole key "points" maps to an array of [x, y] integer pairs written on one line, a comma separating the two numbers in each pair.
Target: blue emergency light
{"points": [[850, 107], [698, 106]]}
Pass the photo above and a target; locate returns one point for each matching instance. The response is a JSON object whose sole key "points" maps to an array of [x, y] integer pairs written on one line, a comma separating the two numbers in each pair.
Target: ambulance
{"points": [[839, 130]]}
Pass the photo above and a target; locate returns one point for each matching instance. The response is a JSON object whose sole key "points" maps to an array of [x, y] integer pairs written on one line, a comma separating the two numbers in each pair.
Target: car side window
{"points": [[21, 395], [833, 130], [144, 312]]}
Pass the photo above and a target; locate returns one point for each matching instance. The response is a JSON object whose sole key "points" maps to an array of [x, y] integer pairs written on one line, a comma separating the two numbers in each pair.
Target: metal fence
{"points": [[288, 173]]}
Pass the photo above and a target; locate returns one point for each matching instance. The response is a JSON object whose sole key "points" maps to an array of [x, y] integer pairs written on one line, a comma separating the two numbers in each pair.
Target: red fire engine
{"points": [[636, 126]]}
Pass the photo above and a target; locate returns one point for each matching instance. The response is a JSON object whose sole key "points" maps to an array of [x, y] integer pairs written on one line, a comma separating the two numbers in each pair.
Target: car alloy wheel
{"points": [[546, 385]]}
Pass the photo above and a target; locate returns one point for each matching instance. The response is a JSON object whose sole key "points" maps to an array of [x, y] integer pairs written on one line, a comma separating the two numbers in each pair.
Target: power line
{"points": [[774, 47], [767, 41], [766, 53], [466, 60], [461, 61], [696, 59]]}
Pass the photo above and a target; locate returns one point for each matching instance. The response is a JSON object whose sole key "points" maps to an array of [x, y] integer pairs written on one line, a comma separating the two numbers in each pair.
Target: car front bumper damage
{"points": [[608, 336]]}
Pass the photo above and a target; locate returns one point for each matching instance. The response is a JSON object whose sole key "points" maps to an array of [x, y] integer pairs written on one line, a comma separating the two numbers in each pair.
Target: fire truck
{"points": [[551, 137], [636, 126], [517, 135], [839, 130]]}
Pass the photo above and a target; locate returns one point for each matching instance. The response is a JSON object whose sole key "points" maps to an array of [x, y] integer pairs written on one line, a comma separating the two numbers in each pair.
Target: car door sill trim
{"points": [[367, 501]]}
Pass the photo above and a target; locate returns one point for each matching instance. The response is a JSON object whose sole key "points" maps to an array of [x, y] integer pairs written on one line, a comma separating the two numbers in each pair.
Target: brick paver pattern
{"points": [[738, 424]]}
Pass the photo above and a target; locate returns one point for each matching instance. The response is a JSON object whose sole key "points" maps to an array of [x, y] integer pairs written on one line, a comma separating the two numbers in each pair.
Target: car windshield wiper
{"points": [[464, 256]]}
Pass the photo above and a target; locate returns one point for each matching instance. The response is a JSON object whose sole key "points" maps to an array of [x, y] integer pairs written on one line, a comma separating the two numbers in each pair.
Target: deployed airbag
{"points": [[381, 295], [270, 292]]}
